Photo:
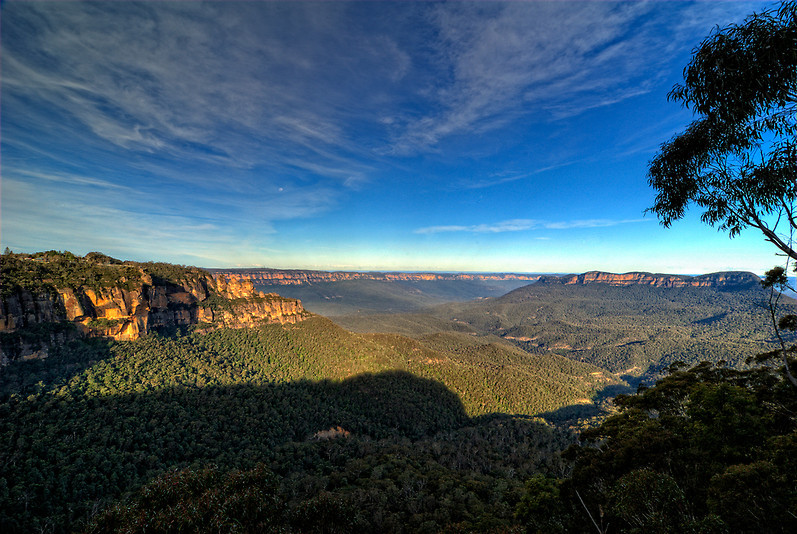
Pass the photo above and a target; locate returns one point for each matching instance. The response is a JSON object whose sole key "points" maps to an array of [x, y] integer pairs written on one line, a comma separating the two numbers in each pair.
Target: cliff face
{"points": [[714, 280], [132, 309], [248, 307], [27, 308], [299, 277], [125, 314]]}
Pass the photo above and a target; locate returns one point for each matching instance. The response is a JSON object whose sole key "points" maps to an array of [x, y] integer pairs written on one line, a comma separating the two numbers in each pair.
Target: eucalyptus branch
{"points": [[600, 530], [773, 238], [773, 306]]}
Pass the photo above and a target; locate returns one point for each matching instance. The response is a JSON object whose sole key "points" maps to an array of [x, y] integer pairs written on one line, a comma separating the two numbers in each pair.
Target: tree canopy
{"points": [[708, 449], [738, 159]]}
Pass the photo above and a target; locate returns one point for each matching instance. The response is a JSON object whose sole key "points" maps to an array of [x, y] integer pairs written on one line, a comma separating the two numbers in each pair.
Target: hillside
{"points": [[98, 418], [632, 325]]}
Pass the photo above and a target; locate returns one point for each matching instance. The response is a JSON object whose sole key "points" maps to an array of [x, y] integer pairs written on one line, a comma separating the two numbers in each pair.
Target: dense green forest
{"points": [[98, 418], [208, 435], [709, 450], [310, 427], [95, 419]]}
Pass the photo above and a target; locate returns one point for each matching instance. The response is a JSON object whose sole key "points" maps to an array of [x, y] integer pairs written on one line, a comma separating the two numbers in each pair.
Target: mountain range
{"points": [[632, 325], [343, 293], [300, 277], [117, 373]]}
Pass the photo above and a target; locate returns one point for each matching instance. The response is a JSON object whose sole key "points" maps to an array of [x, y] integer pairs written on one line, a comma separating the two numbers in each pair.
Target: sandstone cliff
{"points": [[303, 277], [34, 314], [715, 280]]}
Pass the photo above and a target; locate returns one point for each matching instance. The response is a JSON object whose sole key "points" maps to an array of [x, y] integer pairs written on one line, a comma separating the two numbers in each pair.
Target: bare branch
{"points": [[600, 530]]}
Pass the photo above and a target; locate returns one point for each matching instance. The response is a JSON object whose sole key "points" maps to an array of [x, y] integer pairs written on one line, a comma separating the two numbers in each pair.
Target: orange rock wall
{"points": [[715, 280], [124, 314]]}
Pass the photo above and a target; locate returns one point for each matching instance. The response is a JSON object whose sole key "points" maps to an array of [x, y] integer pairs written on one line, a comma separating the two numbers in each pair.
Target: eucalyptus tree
{"points": [[738, 159]]}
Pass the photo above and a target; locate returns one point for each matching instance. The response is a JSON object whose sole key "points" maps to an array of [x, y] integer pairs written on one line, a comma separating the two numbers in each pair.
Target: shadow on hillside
{"points": [[392, 403], [580, 412], [64, 357], [62, 362], [90, 447]]}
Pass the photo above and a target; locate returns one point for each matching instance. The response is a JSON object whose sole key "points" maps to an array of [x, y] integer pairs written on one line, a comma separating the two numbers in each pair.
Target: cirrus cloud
{"points": [[517, 225]]}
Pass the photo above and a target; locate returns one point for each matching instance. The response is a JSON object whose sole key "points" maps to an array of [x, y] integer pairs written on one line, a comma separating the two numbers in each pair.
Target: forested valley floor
{"points": [[99, 418]]}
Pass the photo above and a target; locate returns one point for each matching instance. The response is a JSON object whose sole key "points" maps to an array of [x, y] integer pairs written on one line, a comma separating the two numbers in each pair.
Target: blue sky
{"points": [[454, 136]]}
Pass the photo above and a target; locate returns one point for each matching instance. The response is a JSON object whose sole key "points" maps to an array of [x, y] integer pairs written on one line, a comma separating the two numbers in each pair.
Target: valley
{"points": [[635, 331], [409, 414], [117, 373], [339, 293], [565, 241], [631, 325]]}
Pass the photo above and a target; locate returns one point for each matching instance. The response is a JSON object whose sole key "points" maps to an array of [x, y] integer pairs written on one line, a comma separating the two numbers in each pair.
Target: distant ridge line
{"points": [[306, 276], [715, 280], [301, 276]]}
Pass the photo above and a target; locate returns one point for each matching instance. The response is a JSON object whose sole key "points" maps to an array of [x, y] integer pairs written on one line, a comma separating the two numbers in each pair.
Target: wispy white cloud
{"points": [[246, 86], [64, 178], [239, 115], [517, 225], [550, 60], [511, 176], [196, 80], [508, 59]]}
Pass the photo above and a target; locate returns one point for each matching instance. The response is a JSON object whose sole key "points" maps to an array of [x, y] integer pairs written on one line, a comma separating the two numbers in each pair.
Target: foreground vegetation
{"points": [[309, 428], [709, 450], [464, 480]]}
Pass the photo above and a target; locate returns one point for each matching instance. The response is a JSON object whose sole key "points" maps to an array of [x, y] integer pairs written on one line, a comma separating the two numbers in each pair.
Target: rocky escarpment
{"points": [[733, 279], [303, 277], [50, 307], [243, 306]]}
